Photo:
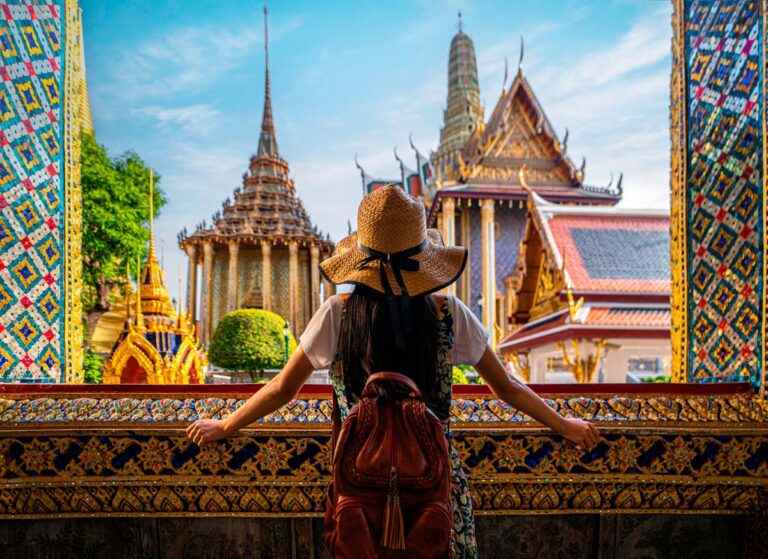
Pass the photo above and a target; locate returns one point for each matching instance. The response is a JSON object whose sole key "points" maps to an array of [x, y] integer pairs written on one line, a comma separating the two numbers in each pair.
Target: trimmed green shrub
{"points": [[250, 340], [658, 378], [459, 377]]}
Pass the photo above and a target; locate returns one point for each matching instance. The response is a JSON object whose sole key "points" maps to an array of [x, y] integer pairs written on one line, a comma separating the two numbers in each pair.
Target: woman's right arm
{"points": [[582, 433]]}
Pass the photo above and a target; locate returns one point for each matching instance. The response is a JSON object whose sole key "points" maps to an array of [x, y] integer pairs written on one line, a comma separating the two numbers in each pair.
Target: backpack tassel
{"points": [[392, 533]]}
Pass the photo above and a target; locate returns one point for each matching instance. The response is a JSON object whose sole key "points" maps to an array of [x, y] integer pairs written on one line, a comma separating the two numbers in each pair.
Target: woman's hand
{"points": [[207, 431], [581, 433]]}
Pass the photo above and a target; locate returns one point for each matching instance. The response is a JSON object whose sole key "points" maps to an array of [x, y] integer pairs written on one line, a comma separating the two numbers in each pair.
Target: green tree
{"points": [[115, 221], [92, 367], [250, 340]]}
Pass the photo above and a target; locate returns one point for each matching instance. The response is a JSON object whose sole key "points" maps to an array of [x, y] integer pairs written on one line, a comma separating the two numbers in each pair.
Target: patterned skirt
{"points": [[465, 545]]}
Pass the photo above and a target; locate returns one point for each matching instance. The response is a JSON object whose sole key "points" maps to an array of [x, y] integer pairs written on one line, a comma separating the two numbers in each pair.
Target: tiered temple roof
{"points": [[265, 207], [519, 135], [587, 271]]}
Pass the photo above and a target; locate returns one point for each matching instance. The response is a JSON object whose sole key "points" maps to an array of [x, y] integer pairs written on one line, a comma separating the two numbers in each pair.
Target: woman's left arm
{"points": [[276, 393]]}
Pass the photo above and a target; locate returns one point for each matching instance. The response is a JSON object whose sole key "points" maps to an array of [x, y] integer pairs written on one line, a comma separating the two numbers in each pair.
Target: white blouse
{"points": [[321, 336]]}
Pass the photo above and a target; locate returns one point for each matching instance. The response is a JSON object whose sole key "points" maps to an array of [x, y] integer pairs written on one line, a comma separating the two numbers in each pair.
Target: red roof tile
{"points": [[603, 322], [621, 253], [629, 317]]}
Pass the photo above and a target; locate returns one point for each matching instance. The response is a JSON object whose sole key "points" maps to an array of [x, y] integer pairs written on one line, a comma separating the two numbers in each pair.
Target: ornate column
{"points": [[293, 283], [449, 221], [509, 301], [466, 239], [314, 277], [192, 282], [266, 275], [206, 302], [489, 264], [449, 231], [232, 280]]}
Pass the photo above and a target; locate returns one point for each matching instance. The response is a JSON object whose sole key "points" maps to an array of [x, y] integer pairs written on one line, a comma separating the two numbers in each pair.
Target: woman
{"points": [[393, 322]]}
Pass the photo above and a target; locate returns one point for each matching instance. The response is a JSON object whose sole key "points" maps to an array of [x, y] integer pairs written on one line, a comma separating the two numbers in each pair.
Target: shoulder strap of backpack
{"points": [[335, 411]]}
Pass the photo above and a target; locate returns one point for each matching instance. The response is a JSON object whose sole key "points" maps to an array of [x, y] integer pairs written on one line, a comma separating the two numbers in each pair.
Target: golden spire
{"points": [[139, 318], [151, 212], [128, 293], [152, 283]]}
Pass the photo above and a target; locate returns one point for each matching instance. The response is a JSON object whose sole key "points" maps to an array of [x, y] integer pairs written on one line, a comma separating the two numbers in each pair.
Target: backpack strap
{"points": [[335, 410], [391, 377]]}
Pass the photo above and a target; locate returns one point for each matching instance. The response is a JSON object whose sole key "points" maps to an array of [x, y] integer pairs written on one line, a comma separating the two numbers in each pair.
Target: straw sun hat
{"points": [[392, 251]]}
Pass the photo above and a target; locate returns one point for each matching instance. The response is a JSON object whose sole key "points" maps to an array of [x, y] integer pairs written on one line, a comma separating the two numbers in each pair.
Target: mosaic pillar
{"points": [[489, 263], [718, 191], [192, 282], [206, 296], [314, 274], [232, 278], [266, 275], [293, 284], [40, 202]]}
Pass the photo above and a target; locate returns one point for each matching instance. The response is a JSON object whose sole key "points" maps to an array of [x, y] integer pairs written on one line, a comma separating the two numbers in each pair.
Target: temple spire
{"points": [[151, 220], [463, 112], [268, 139]]}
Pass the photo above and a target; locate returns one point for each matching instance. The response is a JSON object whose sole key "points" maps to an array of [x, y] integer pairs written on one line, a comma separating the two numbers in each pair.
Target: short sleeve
{"points": [[321, 336], [469, 335]]}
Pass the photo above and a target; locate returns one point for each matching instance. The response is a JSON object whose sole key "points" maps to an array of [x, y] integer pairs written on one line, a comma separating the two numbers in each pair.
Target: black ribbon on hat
{"points": [[399, 307]]}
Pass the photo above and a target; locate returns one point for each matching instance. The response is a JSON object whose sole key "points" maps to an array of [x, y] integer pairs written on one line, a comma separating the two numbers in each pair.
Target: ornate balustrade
{"points": [[70, 451]]}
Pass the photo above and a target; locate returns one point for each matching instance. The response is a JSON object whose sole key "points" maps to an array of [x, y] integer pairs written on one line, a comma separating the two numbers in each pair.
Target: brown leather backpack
{"points": [[391, 490]]}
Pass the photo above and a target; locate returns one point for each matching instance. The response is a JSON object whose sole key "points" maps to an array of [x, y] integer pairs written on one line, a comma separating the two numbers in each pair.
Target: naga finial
{"points": [[523, 181], [506, 74]]}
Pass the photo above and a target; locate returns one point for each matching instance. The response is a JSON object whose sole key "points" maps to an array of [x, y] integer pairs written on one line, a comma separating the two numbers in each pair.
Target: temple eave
{"points": [[255, 239]]}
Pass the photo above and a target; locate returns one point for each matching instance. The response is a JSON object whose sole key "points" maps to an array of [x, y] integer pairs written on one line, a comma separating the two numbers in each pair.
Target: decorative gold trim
{"points": [[73, 87], [764, 194], [73, 473], [678, 202]]}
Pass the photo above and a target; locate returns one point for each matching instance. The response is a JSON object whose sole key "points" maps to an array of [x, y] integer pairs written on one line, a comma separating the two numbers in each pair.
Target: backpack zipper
{"points": [[392, 531]]}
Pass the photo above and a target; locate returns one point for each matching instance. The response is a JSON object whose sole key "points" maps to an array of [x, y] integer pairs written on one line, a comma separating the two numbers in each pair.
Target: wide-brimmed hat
{"points": [[392, 251]]}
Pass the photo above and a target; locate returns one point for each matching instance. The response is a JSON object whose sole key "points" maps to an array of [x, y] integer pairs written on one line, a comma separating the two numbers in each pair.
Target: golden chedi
{"points": [[158, 344]]}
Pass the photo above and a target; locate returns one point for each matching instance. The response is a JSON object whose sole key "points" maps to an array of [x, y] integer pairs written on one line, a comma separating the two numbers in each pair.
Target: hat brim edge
{"points": [[432, 290]]}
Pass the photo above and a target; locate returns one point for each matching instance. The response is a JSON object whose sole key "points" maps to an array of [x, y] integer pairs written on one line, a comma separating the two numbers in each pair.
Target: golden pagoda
{"points": [[158, 344]]}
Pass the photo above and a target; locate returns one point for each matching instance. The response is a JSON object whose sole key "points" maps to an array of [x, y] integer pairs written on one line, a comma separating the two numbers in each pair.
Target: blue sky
{"points": [[182, 83]]}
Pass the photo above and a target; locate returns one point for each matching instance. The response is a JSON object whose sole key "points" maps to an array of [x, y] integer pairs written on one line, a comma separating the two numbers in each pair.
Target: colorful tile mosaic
{"points": [[465, 412], [39, 182], [718, 226]]}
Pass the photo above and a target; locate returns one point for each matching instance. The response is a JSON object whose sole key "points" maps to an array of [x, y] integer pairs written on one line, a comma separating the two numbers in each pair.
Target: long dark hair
{"points": [[367, 342]]}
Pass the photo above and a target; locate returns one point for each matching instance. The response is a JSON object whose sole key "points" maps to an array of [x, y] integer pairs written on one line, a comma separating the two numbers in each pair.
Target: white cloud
{"points": [[188, 59], [199, 118], [645, 44]]}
